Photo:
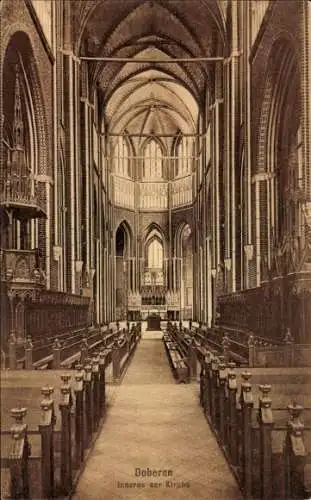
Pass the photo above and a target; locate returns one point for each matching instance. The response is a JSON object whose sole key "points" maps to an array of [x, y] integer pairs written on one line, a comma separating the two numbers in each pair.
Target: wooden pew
{"points": [[186, 346], [263, 436], [123, 349], [42, 462], [176, 359], [60, 440]]}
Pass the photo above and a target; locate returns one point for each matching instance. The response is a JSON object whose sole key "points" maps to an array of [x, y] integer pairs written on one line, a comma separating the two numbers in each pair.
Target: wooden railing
{"points": [[268, 310], [60, 311]]}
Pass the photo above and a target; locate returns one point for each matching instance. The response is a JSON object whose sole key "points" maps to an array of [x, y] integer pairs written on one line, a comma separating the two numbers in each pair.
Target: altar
{"points": [[154, 322]]}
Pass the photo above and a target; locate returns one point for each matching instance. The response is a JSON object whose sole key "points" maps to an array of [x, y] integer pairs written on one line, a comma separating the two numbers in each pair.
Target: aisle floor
{"points": [[155, 425]]}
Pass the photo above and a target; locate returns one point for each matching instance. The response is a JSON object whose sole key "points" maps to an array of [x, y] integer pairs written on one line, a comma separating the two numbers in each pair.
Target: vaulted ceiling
{"points": [[152, 97]]}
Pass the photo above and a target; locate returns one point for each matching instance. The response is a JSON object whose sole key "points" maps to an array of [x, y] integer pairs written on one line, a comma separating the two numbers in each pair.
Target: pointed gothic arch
{"points": [[153, 152], [18, 48], [278, 154], [125, 234]]}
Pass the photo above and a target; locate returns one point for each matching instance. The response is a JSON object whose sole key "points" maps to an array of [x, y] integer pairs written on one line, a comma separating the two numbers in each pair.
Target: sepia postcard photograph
{"points": [[155, 249]]}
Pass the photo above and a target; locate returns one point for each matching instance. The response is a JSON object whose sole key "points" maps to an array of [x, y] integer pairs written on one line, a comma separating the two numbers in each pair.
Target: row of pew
{"points": [[261, 415], [176, 356], [56, 415], [62, 351], [262, 420]]}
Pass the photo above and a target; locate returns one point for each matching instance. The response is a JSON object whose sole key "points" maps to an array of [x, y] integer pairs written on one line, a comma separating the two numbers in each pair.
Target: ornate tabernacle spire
{"points": [[18, 125]]}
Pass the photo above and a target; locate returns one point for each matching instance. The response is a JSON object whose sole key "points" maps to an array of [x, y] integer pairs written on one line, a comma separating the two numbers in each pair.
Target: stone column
{"points": [[72, 125], [305, 64], [261, 181]]}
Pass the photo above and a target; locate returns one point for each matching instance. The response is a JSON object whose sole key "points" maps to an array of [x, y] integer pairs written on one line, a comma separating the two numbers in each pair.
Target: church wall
{"points": [[181, 216], [282, 21]]}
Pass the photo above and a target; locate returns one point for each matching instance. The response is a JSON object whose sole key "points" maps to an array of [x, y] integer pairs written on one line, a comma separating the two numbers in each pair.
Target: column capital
{"points": [[262, 176], [71, 54]]}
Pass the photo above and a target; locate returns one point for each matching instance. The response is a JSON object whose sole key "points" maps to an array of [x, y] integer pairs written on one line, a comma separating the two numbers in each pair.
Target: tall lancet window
{"points": [[155, 254], [153, 161], [122, 157], [184, 154]]}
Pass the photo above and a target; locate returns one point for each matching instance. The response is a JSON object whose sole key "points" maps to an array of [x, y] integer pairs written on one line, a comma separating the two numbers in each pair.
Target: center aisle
{"points": [[153, 424]]}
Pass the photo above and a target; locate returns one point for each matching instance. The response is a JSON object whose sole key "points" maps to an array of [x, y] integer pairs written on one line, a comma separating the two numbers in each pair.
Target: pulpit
{"points": [[154, 322]]}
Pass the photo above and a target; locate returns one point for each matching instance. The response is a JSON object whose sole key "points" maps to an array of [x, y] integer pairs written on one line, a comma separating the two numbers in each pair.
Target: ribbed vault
{"points": [[151, 97]]}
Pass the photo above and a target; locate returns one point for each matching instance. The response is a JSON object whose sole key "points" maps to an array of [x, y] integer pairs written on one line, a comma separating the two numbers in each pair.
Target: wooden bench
{"points": [[249, 413], [123, 348], [43, 363], [179, 367], [58, 445]]}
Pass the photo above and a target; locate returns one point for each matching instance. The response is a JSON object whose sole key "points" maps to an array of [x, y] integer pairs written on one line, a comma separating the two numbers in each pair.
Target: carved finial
{"points": [[56, 344], [47, 391], [29, 344], [296, 428], [65, 378], [88, 372], [18, 414], [295, 410], [265, 401], [288, 338], [225, 341], [265, 389], [246, 376], [251, 340]]}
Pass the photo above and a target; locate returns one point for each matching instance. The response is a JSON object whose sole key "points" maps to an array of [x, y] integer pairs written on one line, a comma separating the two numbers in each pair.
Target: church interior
{"points": [[155, 249]]}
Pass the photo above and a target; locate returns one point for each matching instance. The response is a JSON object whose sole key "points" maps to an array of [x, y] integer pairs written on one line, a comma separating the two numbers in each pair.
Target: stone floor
{"points": [[151, 335], [155, 425]]}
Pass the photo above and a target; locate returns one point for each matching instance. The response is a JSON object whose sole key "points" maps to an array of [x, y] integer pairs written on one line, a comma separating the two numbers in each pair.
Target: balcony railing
{"points": [[20, 193]]}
